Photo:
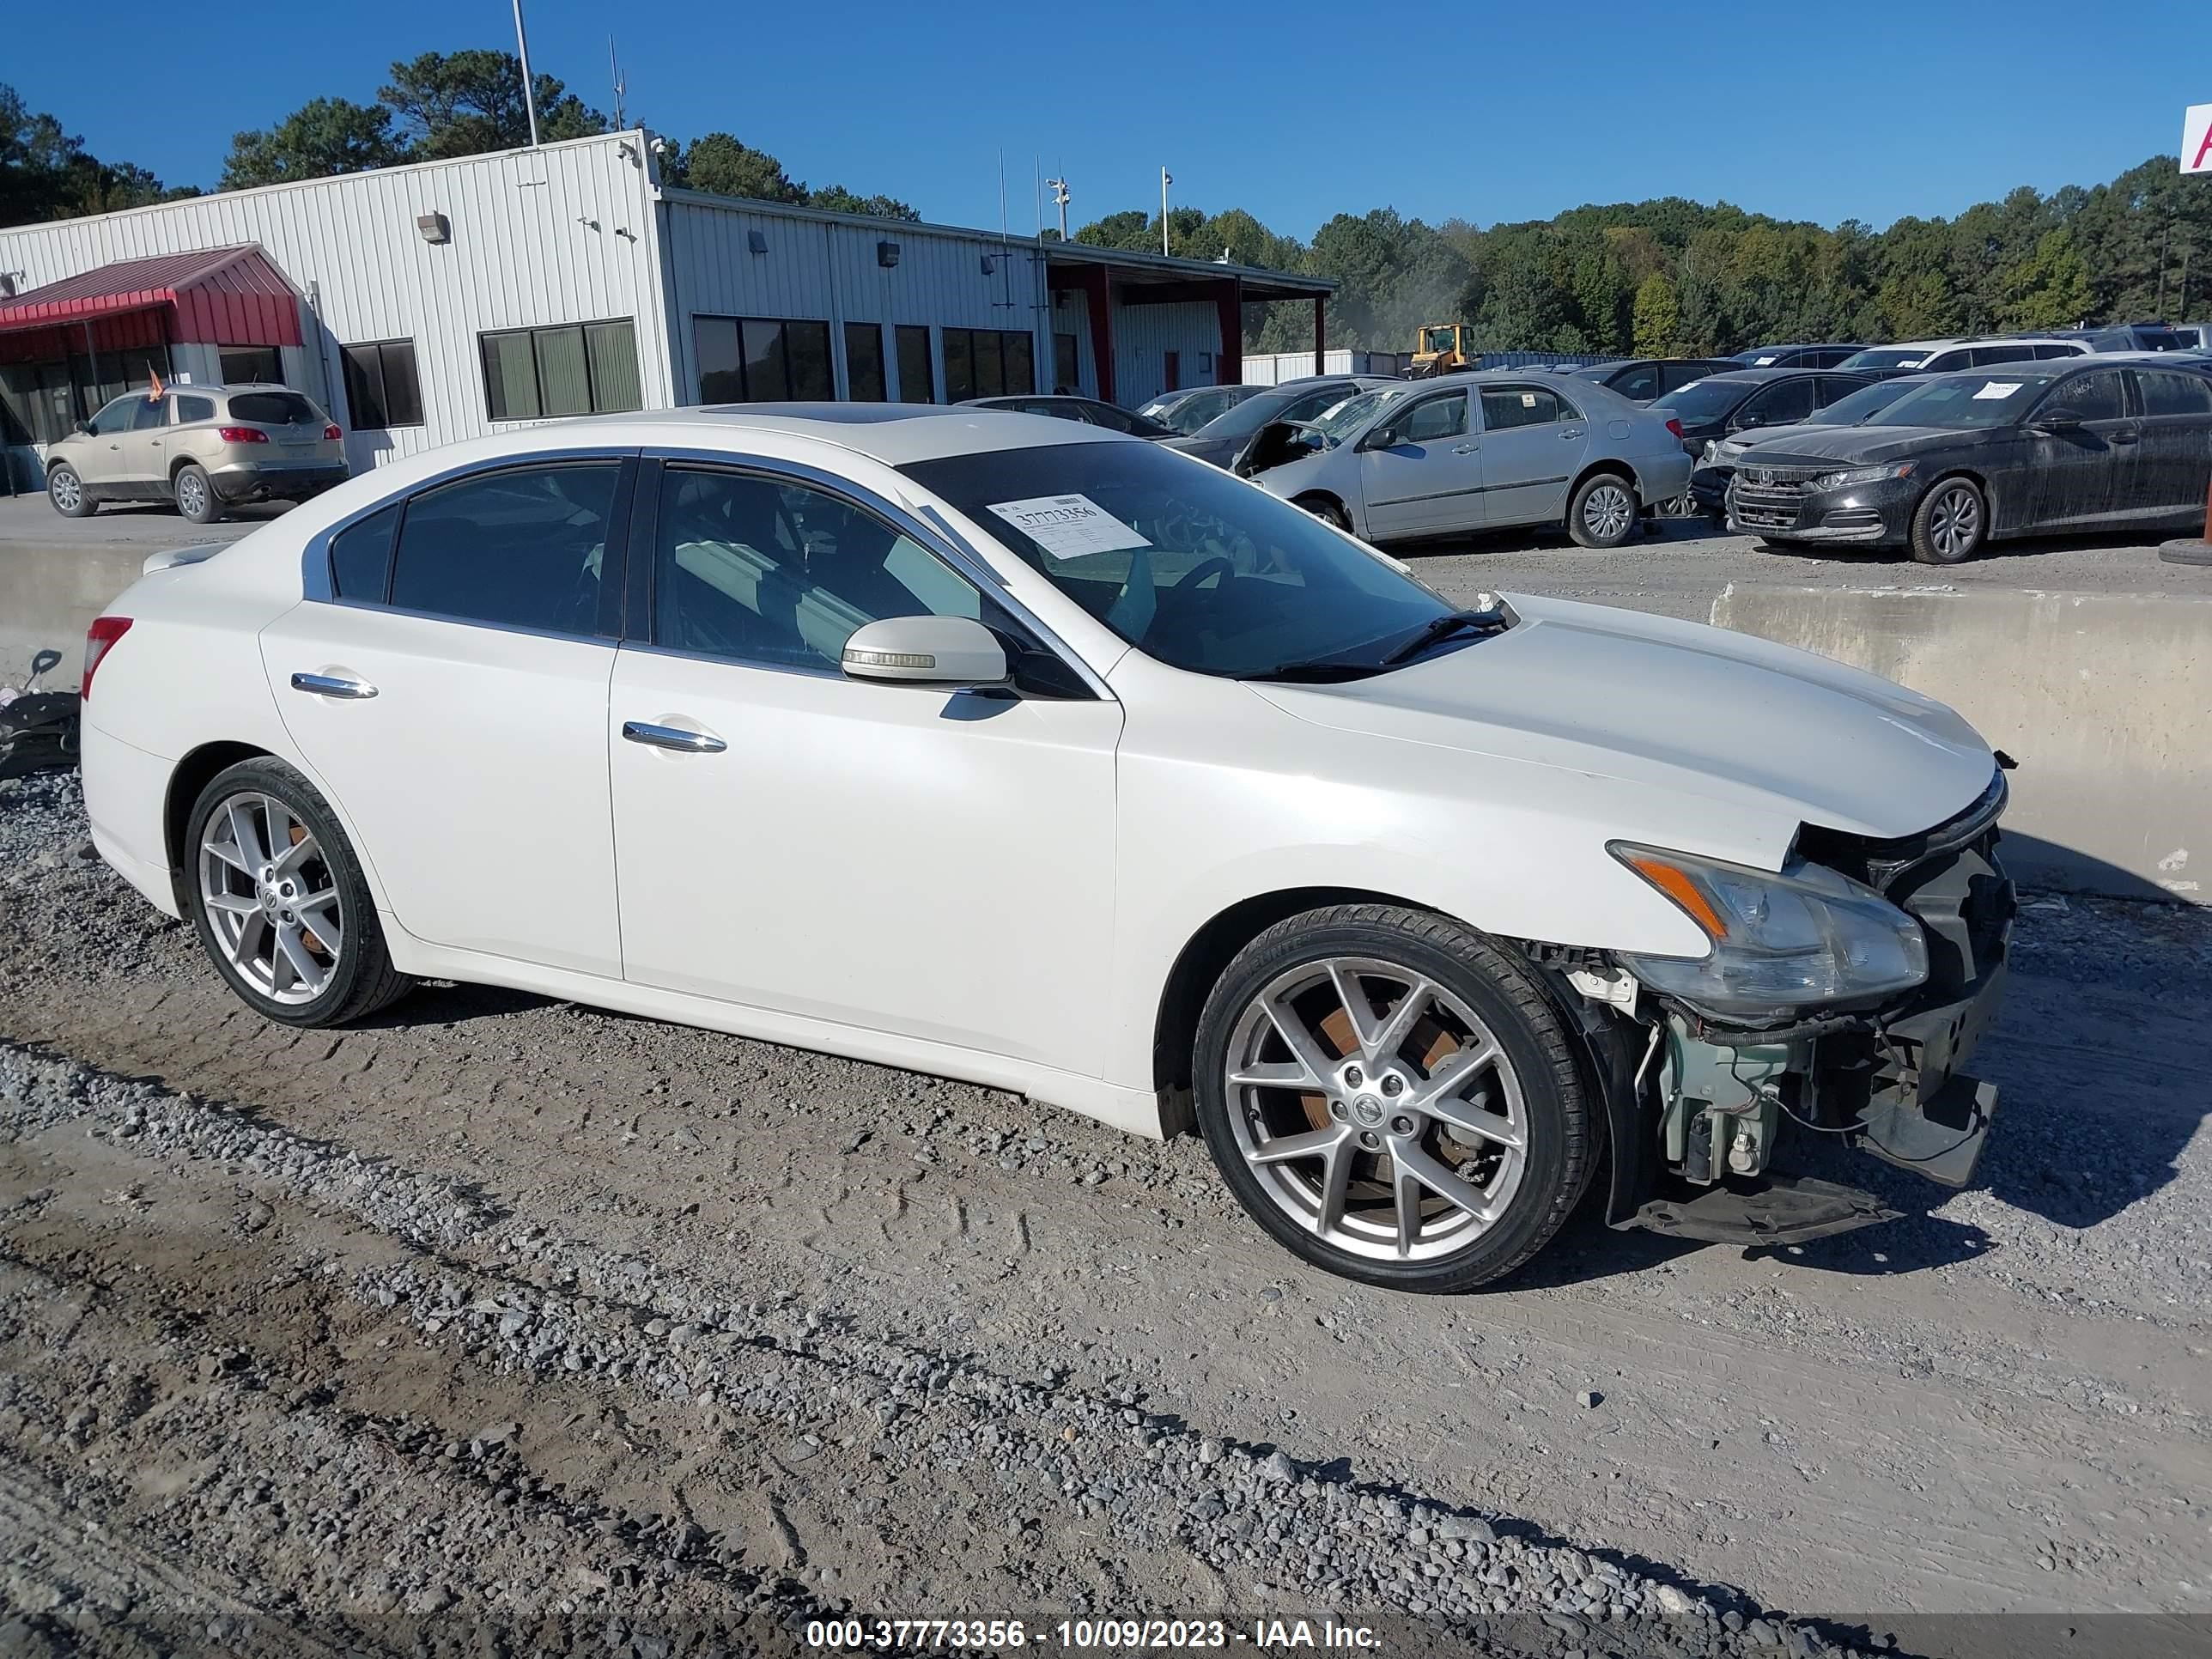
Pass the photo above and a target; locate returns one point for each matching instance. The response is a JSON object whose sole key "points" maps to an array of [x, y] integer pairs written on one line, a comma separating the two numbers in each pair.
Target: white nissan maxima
{"points": [[1045, 757]]}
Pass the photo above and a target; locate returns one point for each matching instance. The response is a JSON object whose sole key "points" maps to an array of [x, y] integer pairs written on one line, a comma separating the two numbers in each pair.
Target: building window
{"points": [[756, 360], [250, 365], [380, 385], [42, 402], [917, 379], [1066, 374], [587, 369], [987, 362], [864, 363]]}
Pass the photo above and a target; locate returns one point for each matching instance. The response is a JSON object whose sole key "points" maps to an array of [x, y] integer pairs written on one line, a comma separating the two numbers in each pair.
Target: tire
{"points": [[1602, 514], [66, 490], [277, 805], [1328, 511], [195, 494], [1951, 523], [1341, 1205]]}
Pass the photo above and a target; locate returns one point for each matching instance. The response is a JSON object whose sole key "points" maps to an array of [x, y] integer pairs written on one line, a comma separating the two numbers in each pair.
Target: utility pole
{"points": [[529, 85], [1166, 179], [1059, 199]]}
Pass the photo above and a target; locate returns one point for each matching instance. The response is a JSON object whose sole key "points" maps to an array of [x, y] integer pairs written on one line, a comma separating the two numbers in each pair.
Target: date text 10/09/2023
{"points": [[1083, 1635]]}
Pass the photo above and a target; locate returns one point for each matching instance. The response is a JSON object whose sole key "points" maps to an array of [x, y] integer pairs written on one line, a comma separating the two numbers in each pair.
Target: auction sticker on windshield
{"points": [[1069, 526], [1991, 389]]}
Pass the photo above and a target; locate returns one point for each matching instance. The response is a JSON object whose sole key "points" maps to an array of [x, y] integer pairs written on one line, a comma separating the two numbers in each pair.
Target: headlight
{"points": [[1861, 474], [1781, 942], [1722, 450]]}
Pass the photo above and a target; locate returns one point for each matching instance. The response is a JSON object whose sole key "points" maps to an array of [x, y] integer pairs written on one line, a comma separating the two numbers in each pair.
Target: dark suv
{"points": [[1647, 380]]}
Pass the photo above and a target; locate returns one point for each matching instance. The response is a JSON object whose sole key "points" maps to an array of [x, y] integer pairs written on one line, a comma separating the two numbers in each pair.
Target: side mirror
{"points": [[1746, 422], [1382, 437], [2056, 420], [926, 651], [44, 661], [84, 429]]}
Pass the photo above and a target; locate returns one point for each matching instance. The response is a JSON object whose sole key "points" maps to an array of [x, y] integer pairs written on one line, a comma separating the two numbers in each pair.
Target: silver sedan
{"points": [[1474, 452]]}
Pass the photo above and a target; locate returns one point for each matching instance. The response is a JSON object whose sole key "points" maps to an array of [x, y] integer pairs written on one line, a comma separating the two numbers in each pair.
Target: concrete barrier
{"points": [[49, 594], [2105, 700]]}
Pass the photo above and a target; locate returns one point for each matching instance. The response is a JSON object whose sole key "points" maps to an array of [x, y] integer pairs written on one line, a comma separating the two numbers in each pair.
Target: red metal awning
{"points": [[218, 296]]}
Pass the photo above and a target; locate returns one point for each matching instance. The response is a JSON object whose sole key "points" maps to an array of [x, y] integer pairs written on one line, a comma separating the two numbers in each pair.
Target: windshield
{"points": [[1887, 357], [1963, 401], [1192, 566], [1338, 419], [1185, 413], [1437, 339], [1706, 400], [1867, 400], [1248, 417]]}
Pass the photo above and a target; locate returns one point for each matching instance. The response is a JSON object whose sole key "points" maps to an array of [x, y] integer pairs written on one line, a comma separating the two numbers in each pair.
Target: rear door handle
{"points": [[326, 685], [672, 736], [1571, 432]]}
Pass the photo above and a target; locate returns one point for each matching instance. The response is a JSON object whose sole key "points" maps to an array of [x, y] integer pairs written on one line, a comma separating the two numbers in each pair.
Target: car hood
{"points": [[1857, 445], [1661, 704], [1760, 437], [1220, 451]]}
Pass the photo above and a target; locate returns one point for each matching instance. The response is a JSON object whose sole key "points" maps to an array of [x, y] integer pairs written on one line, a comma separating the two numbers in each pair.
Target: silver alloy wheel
{"points": [[271, 901], [1606, 511], [68, 492], [1954, 520], [1377, 1110], [191, 495]]}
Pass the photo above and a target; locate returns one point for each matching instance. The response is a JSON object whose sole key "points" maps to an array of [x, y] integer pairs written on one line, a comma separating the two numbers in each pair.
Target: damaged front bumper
{"points": [[1890, 1081]]}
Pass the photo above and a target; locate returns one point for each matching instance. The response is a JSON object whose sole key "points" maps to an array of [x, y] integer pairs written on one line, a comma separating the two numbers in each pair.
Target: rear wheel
{"points": [[195, 496], [1393, 1098], [280, 902], [1603, 511], [1950, 524], [68, 494]]}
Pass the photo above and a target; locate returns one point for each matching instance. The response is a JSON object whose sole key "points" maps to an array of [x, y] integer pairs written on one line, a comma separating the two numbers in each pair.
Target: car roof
{"points": [[1759, 376], [894, 433]]}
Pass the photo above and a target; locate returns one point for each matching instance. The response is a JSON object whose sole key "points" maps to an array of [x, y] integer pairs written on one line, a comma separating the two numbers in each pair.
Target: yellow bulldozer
{"points": [[1440, 348]]}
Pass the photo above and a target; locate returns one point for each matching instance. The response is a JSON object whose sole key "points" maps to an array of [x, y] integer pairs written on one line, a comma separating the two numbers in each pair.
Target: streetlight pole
{"points": [[529, 85], [1166, 179]]}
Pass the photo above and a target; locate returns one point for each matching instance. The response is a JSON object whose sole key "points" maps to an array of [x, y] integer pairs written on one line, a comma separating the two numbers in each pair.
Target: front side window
{"points": [[1505, 407], [761, 570], [2095, 396], [1778, 406], [536, 374], [523, 547], [149, 413], [1638, 385], [1433, 419], [115, 417], [1188, 563], [382, 389], [361, 556]]}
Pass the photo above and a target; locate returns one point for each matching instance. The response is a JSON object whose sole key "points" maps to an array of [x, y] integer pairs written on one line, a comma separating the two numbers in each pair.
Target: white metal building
{"points": [[427, 303]]}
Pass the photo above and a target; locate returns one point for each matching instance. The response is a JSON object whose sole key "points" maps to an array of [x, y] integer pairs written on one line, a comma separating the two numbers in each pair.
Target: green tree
{"points": [[836, 198], [46, 173], [2050, 288], [322, 138], [722, 166], [468, 103], [1125, 229], [1658, 317]]}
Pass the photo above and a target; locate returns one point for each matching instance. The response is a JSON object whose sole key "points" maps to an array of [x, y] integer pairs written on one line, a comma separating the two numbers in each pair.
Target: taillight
{"points": [[1674, 426], [241, 434], [331, 433], [99, 639]]}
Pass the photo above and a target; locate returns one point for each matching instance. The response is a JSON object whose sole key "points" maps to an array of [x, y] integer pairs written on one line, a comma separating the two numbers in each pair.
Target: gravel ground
{"points": [[509, 1311]]}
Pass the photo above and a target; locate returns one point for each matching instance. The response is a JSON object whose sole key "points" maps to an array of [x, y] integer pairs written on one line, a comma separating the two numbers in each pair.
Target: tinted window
{"points": [[1887, 357], [571, 369], [1778, 406], [2048, 350], [752, 360], [1436, 418], [1506, 407], [864, 363], [1638, 385], [1283, 587], [361, 556], [1957, 357], [764, 571], [117, 417], [1827, 390], [275, 408], [381, 389], [2095, 396], [194, 408], [1674, 375], [917, 384], [522, 547], [1063, 370], [2165, 393], [1981, 356], [147, 415]]}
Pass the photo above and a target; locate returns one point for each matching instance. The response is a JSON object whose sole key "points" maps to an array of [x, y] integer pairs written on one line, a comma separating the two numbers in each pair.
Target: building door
{"points": [[1172, 373], [1067, 371]]}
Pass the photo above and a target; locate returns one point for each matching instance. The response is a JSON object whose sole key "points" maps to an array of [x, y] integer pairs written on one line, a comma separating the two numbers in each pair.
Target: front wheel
{"points": [[1603, 511], [195, 496], [280, 902], [1949, 525], [1328, 510], [1392, 1098], [67, 492]]}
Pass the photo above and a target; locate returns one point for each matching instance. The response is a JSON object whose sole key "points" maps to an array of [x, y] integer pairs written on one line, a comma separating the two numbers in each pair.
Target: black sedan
{"points": [[1186, 411], [1088, 410], [1822, 355], [1646, 379], [2081, 443], [1745, 399]]}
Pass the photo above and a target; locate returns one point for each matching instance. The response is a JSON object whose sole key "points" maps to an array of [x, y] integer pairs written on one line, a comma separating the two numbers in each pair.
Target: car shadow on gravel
{"points": [[2001, 555]]}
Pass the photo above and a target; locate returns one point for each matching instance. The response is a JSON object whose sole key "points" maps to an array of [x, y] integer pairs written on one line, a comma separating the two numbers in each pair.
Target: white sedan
{"points": [[1034, 755]]}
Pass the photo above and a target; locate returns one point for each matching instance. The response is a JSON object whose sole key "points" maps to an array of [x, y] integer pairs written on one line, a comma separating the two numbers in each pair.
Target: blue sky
{"points": [[1294, 109]]}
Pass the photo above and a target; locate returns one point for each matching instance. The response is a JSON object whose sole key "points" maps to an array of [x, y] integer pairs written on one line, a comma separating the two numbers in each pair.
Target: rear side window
{"points": [[275, 408], [2048, 350], [2165, 393], [1506, 407], [1985, 356], [361, 556], [1943, 360], [194, 408], [525, 547]]}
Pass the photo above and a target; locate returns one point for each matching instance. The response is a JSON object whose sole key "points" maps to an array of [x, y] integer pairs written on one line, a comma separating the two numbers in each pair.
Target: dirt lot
{"points": [[512, 1309]]}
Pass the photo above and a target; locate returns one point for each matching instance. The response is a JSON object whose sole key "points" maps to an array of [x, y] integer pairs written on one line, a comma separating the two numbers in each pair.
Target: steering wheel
{"points": [[1199, 572]]}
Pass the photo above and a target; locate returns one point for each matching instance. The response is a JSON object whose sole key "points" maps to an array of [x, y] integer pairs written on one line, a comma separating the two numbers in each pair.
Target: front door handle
{"points": [[2124, 437], [1467, 449], [672, 736], [326, 685]]}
